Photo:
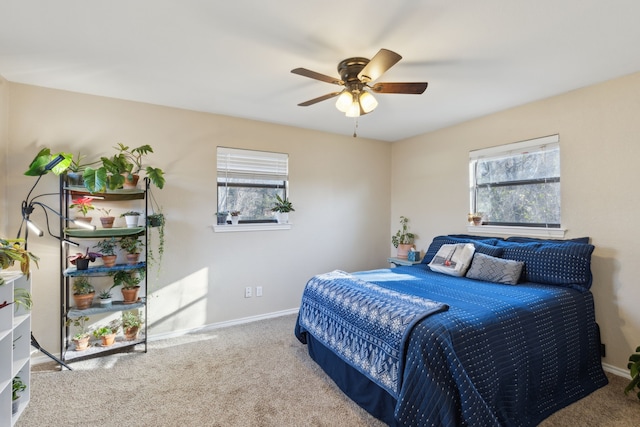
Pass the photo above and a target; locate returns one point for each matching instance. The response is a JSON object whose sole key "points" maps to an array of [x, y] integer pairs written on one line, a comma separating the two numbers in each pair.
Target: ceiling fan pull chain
{"points": [[355, 128]]}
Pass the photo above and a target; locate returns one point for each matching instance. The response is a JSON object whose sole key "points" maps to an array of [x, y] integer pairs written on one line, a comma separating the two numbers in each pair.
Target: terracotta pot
{"points": [[403, 251], [86, 219], [82, 343], [109, 260], [131, 334], [130, 296], [83, 301], [132, 259], [107, 221], [130, 184], [108, 340]]}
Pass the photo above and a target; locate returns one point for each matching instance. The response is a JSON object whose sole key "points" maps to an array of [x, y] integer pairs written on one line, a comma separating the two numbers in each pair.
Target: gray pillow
{"points": [[492, 269]]}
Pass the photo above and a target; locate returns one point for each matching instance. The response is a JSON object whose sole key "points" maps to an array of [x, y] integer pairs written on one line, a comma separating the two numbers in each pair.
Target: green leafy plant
{"points": [[18, 387], [634, 370], [128, 279], [81, 324], [403, 237], [235, 213], [131, 244], [107, 246], [42, 159], [91, 256], [11, 251], [82, 286], [131, 320], [282, 205], [105, 294], [127, 161], [111, 328], [22, 297]]}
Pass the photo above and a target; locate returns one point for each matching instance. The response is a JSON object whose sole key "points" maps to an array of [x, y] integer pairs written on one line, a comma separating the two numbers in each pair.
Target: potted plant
{"points": [[11, 250], [130, 282], [282, 208], [18, 387], [105, 298], [131, 217], [403, 240], [83, 292], [22, 298], [221, 217], [81, 337], [76, 169], [83, 205], [106, 219], [107, 333], [634, 372], [121, 170], [107, 249], [81, 261], [132, 245], [131, 323], [235, 217]]}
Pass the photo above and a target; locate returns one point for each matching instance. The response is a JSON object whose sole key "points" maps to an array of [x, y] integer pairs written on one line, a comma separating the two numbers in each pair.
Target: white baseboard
{"points": [[616, 371], [43, 358]]}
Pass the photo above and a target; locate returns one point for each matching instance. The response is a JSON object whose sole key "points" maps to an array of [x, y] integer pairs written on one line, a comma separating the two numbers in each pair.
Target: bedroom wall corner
{"points": [[598, 130]]}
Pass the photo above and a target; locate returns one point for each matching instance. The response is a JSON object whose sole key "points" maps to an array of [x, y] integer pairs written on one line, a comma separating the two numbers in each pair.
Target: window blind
{"points": [[250, 164]]}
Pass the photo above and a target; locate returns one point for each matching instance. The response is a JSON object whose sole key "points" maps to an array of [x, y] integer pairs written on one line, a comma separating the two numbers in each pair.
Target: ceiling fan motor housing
{"points": [[349, 70]]}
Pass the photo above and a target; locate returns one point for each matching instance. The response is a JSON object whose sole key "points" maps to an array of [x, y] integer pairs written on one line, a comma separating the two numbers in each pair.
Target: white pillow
{"points": [[453, 259]]}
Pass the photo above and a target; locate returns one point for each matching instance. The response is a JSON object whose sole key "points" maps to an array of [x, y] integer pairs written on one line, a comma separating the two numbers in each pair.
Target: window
{"points": [[248, 181], [517, 184]]}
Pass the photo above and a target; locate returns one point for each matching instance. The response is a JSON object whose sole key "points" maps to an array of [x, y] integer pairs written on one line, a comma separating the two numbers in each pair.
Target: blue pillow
{"points": [[486, 246], [558, 263]]}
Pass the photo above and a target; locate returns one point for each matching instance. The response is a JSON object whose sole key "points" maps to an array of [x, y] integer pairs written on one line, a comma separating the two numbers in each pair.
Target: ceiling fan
{"points": [[357, 76]]}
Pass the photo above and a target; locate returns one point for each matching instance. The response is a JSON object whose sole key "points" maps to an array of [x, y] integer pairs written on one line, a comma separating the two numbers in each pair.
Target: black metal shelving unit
{"points": [[89, 238]]}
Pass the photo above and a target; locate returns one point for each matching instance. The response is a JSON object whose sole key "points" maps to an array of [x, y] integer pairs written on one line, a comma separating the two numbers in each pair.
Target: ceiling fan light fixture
{"points": [[354, 109], [344, 101], [368, 102]]}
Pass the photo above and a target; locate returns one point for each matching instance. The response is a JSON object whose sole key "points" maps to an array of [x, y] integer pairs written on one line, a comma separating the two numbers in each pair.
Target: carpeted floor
{"points": [[256, 374]]}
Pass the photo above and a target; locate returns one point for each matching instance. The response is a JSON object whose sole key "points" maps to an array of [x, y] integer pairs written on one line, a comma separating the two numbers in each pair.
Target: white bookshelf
{"points": [[15, 347]]}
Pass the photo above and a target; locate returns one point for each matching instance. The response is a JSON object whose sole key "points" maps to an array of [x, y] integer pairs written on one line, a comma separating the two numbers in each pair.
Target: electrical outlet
{"points": [[258, 291], [247, 292]]}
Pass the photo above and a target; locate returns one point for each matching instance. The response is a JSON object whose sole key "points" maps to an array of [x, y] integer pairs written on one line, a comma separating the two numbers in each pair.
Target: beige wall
{"points": [[4, 143], [599, 131], [340, 189]]}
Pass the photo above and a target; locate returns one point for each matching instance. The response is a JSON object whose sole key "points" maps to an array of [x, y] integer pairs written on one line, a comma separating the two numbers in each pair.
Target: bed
{"points": [[417, 347]]}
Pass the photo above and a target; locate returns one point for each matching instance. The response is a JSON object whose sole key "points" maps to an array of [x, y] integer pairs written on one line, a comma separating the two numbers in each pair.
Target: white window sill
{"points": [[230, 228], [552, 233]]}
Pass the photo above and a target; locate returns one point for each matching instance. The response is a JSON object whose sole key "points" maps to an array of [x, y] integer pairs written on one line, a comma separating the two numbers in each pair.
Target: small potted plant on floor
{"points": [[18, 387], [131, 323], [83, 205], [403, 240], [132, 245], [83, 292], [282, 208], [634, 372], [81, 337], [107, 248], [131, 218], [107, 334], [81, 261]]}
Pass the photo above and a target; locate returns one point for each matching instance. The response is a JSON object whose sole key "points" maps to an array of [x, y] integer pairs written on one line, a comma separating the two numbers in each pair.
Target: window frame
{"points": [[527, 146], [250, 164]]}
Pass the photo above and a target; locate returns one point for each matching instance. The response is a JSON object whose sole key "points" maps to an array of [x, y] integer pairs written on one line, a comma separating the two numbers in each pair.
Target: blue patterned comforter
{"points": [[500, 355]]}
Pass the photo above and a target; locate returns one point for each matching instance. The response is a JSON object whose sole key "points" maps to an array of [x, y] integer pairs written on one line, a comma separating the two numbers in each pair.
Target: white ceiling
{"points": [[234, 57]]}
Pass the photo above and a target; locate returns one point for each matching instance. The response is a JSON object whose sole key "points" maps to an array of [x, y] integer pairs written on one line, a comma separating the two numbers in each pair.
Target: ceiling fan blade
{"points": [[319, 99], [410, 88], [381, 62], [313, 75]]}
